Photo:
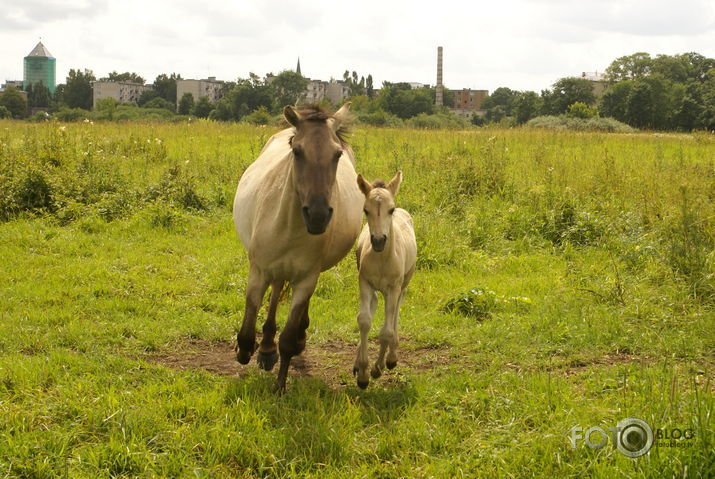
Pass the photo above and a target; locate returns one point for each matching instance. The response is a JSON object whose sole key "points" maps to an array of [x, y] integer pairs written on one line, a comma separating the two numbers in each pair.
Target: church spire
{"points": [[297, 69]]}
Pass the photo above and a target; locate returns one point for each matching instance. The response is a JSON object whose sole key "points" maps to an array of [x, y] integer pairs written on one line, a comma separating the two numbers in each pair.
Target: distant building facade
{"points": [[318, 90], [123, 91], [466, 102], [13, 83], [598, 80], [210, 87], [39, 66]]}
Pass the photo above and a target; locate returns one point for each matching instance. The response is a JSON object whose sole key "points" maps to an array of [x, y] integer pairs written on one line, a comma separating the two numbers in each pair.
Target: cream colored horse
{"points": [[297, 212], [386, 256]]}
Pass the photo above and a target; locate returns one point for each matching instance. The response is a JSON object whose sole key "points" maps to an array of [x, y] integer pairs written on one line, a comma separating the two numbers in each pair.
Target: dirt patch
{"points": [[331, 361]]}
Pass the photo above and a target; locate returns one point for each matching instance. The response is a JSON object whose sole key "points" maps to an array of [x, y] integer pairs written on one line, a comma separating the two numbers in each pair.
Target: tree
{"points": [[369, 89], [247, 95], [38, 95], [614, 100], [501, 102], [124, 77], [165, 86], [203, 107], [566, 92], [147, 96], [14, 102], [288, 88], [404, 102], [4, 113], [78, 89], [106, 107], [629, 67], [526, 106], [186, 104]]}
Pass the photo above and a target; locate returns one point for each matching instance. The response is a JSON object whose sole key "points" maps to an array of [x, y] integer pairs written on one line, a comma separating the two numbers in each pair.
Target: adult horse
{"points": [[297, 211]]}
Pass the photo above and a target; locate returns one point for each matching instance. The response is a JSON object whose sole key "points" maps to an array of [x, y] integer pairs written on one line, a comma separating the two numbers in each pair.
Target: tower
{"points": [[297, 69], [439, 101], [39, 65]]}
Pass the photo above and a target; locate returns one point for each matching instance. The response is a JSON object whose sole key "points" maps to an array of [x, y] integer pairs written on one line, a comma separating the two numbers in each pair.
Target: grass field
{"points": [[590, 257]]}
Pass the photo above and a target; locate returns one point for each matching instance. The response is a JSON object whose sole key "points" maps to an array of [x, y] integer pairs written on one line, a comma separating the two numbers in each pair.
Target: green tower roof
{"points": [[40, 51]]}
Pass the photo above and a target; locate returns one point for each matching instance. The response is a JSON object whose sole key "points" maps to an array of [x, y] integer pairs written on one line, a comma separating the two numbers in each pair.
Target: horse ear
{"points": [[291, 115], [364, 186], [394, 185], [343, 114]]}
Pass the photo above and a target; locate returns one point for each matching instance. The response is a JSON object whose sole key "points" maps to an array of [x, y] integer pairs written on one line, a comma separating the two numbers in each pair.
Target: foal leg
{"points": [[291, 341], [391, 360], [368, 303], [246, 337], [267, 350], [388, 333]]}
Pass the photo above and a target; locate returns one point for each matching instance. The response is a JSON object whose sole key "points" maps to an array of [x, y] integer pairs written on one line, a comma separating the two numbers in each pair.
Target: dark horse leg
{"points": [[292, 339], [246, 337], [267, 350]]}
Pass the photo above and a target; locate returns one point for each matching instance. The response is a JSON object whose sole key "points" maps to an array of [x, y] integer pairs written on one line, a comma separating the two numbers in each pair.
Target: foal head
{"points": [[379, 207], [317, 146]]}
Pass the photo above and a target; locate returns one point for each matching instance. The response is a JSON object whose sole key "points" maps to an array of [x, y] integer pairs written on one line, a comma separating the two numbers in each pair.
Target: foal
{"points": [[386, 256]]}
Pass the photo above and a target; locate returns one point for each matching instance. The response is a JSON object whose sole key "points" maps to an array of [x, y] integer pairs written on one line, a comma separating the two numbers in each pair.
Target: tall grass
{"points": [[563, 279]]}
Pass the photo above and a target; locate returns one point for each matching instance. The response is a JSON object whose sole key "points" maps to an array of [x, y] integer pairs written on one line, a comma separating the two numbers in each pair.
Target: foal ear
{"points": [[291, 115], [394, 185], [364, 186], [342, 115]]}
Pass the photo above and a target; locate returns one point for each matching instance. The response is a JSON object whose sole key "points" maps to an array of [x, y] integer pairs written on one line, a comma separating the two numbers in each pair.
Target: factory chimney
{"points": [[440, 89]]}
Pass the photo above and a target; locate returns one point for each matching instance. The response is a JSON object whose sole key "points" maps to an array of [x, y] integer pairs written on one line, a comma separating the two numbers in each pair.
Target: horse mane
{"points": [[315, 112], [378, 184]]}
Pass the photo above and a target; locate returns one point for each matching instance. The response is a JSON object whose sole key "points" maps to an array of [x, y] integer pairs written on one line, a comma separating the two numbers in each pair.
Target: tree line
{"points": [[665, 92]]}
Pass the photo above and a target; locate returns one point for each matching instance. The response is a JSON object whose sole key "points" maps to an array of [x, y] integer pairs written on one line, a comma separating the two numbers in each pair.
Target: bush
{"points": [[562, 122], [379, 118], [159, 102], [437, 121], [39, 117], [259, 116], [581, 110], [4, 113], [72, 114]]}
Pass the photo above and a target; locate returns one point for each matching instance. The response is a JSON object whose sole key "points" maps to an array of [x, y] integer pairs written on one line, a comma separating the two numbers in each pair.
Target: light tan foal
{"points": [[386, 256]]}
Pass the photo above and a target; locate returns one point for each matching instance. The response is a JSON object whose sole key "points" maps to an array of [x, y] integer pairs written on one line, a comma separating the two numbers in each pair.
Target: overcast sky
{"points": [[524, 45]]}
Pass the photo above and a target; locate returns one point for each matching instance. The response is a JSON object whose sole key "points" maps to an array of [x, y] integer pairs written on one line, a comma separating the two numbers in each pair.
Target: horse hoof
{"points": [[279, 388], [363, 384], [375, 373], [266, 361], [243, 356], [391, 365]]}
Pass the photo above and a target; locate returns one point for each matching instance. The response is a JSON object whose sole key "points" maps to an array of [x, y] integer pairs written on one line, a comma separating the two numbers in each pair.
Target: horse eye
{"points": [[297, 151], [391, 210], [338, 154]]}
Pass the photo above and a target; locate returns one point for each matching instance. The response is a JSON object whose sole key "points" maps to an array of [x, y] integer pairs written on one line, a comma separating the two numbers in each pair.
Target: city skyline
{"points": [[524, 46]]}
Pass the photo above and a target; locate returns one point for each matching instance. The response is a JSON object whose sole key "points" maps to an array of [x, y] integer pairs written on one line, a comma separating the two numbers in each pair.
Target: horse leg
{"points": [[368, 303], [267, 350], [246, 337], [291, 341], [388, 333]]}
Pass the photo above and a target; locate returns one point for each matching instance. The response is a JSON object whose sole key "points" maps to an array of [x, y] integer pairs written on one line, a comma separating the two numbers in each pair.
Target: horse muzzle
{"points": [[317, 217], [378, 242]]}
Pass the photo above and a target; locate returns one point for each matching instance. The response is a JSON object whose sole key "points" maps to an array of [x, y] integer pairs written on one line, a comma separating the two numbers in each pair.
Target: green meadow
{"points": [[564, 279]]}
